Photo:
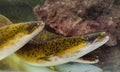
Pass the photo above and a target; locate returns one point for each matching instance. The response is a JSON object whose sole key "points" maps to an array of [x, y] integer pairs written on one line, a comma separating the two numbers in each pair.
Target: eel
{"points": [[15, 36], [61, 50], [49, 49]]}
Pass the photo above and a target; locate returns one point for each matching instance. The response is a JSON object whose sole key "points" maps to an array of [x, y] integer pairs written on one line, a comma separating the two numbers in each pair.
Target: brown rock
{"points": [[79, 17]]}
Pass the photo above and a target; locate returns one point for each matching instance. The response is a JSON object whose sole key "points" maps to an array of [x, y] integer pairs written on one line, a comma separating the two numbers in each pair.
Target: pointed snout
{"points": [[94, 41], [33, 26], [96, 37]]}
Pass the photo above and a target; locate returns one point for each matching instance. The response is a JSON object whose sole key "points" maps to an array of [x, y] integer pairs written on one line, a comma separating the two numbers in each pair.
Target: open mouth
{"points": [[94, 41]]}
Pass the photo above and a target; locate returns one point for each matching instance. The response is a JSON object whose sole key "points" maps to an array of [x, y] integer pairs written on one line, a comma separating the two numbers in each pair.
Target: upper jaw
{"points": [[97, 38]]}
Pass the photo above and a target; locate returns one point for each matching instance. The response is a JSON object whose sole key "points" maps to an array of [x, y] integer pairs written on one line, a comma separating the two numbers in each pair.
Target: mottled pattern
{"points": [[43, 36], [16, 31], [52, 48], [8, 32], [57, 47]]}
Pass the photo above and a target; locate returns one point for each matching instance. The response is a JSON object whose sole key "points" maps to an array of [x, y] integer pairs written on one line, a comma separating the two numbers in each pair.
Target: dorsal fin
{"points": [[4, 21]]}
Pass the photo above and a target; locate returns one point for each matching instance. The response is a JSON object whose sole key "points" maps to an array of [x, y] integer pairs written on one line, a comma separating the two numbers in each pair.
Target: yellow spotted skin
{"points": [[42, 47], [57, 47], [14, 32], [8, 32]]}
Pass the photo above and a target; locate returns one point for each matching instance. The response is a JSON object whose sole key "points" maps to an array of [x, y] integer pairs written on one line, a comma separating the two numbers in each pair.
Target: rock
{"points": [[80, 17]]}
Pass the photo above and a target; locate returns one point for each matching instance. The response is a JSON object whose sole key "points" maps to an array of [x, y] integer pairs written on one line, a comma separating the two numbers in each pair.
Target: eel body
{"points": [[61, 50], [15, 36]]}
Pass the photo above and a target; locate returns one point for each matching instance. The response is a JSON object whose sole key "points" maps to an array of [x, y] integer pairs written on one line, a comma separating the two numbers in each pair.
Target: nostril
{"points": [[92, 39]]}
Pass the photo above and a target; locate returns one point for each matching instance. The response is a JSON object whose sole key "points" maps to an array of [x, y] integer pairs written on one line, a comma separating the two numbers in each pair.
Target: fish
{"points": [[42, 36], [49, 49], [15, 36], [61, 50]]}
